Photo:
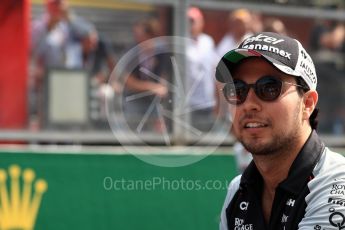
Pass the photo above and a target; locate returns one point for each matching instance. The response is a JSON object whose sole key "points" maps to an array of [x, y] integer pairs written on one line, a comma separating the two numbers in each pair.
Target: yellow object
{"points": [[107, 4], [19, 205]]}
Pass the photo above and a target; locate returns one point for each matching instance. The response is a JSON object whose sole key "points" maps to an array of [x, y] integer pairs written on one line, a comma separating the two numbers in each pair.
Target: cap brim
{"points": [[232, 58]]}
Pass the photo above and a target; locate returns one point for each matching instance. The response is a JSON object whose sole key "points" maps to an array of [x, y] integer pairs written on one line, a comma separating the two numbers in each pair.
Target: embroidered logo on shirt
{"points": [[338, 189], [290, 202], [336, 219], [239, 225], [336, 201], [244, 205], [317, 227], [284, 218]]}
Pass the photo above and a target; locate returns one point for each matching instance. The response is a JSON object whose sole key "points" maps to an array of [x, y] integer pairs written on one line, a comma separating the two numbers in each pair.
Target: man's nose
{"points": [[252, 102]]}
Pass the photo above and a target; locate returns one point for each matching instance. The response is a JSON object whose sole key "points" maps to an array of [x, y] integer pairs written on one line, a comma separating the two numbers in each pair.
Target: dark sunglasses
{"points": [[267, 88]]}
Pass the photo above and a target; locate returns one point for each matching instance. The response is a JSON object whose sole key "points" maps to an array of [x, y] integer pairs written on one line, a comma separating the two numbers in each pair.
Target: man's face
{"points": [[196, 26], [267, 127], [239, 26], [55, 8], [90, 42], [139, 34]]}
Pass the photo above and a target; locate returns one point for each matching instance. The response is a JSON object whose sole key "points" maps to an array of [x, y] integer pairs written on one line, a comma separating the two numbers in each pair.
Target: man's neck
{"points": [[274, 168]]}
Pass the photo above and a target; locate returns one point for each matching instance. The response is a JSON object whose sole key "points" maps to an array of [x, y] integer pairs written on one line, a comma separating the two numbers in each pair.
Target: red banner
{"points": [[14, 42]]}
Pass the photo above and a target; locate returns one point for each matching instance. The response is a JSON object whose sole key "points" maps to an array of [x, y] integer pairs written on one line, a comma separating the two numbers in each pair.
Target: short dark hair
{"points": [[313, 121]]}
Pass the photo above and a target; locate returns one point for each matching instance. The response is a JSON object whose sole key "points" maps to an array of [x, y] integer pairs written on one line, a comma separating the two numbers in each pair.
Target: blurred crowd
{"points": [[60, 39], [63, 39]]}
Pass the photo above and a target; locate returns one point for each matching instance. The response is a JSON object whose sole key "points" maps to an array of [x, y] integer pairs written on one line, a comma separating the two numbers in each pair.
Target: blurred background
{"points": [[83, 80]]}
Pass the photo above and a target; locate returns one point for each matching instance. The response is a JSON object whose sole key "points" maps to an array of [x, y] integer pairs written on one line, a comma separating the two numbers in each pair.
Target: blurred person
{"points": [[94, 53], [274, 25], [200, 69], [294, 180], [53, 33], [327, 42], [329, 35], [50, 35], [239, 27], [91, 51], [146, 87], [256, 24], [56, 42]]}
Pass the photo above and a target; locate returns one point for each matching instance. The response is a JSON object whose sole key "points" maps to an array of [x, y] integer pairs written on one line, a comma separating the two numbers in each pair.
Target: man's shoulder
{"points": [[330, 165], [329, 169], [327, 193]]}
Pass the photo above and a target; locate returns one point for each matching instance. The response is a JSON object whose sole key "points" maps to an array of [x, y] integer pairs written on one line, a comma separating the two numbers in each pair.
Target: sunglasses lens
{"points": [[268, 88], [236, 93]]}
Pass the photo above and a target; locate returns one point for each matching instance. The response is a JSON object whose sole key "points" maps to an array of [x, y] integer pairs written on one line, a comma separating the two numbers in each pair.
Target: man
{"points": [[50, 34], [143, 113], [239, 27], [294, 181], [59, 37], [200, 70]]}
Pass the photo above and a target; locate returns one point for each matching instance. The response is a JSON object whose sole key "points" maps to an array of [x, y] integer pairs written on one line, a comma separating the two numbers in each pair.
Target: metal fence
{"points": [[115, 20]]}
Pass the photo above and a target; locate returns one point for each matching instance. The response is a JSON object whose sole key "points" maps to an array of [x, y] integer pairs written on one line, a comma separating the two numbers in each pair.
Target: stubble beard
{"points": [[279, 142]]}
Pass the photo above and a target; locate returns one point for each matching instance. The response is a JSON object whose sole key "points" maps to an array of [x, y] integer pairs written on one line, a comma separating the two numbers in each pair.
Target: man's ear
{"points": [[310, 101]]}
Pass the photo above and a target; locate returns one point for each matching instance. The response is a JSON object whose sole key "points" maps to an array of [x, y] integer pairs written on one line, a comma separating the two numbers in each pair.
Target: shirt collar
{"points": [[301, 169]]}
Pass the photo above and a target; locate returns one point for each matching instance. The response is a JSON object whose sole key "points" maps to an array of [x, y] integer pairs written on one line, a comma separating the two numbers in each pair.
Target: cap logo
{"points": [[306, 64], [263, 38], [271, 49]]}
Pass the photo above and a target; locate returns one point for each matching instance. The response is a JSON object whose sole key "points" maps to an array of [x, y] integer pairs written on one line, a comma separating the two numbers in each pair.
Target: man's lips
{"points": [[254, 124]]}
